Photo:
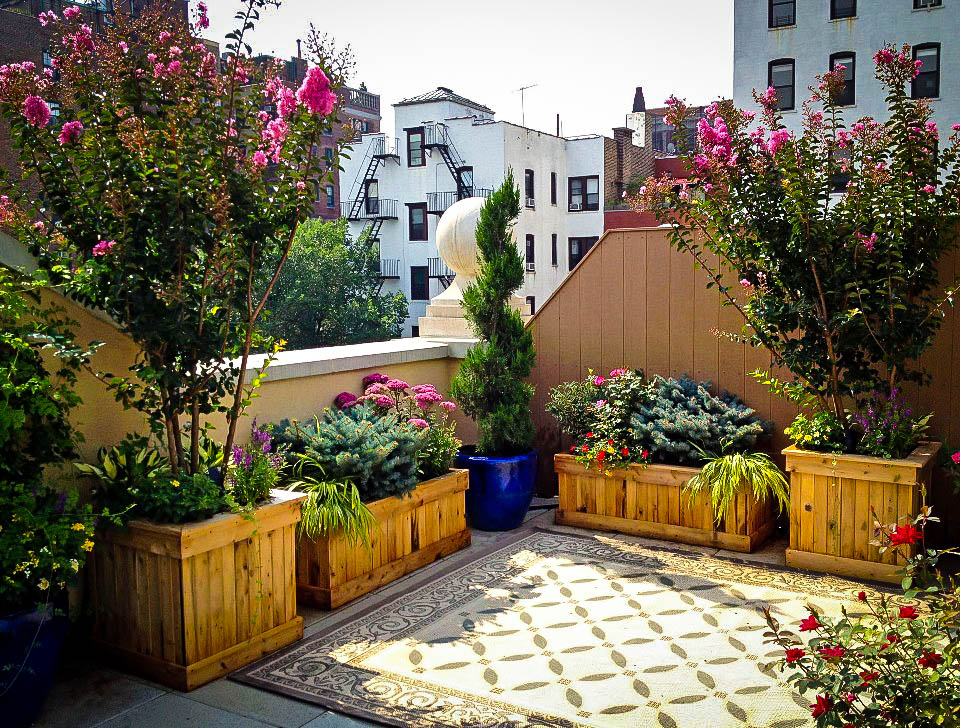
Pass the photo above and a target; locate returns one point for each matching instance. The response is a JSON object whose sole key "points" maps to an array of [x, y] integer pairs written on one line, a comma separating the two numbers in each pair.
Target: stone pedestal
{"points": [[457, 245]]}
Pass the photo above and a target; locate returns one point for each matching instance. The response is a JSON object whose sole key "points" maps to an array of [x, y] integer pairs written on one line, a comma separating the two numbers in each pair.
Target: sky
{"points": [[585, 57]]}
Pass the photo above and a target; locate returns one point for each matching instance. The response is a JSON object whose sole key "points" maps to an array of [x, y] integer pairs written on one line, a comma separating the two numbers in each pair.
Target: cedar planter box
{"points": [[186, 604], [415, 530], [831, 525], [648, 501]]}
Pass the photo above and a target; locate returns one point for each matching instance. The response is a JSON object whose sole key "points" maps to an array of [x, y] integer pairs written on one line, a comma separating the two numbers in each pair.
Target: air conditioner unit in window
{"points": [[531, 202], [531, 267], [575, 207]]}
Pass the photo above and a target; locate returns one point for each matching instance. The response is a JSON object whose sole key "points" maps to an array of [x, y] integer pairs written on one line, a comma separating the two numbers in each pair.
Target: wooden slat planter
{"points": [[186, 604], [415, 530], [648, 501], [831, 525]]}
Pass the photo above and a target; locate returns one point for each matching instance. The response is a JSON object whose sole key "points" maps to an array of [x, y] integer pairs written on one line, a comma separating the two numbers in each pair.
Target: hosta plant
{"points": [[892, 662], [826, 241]]}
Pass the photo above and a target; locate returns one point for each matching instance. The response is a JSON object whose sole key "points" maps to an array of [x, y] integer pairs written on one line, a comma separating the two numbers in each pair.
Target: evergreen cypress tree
{"points": [[491, 385]]}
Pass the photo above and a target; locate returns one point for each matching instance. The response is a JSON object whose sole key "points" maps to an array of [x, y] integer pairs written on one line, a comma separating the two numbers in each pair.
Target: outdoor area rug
{"points": [[553, 629]]}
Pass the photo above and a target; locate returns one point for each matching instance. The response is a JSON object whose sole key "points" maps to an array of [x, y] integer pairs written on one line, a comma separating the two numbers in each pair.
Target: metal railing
{"points": [[384, 146], [436, 268], [390, 268], [438, 202], [360, 99], [373, 208]]}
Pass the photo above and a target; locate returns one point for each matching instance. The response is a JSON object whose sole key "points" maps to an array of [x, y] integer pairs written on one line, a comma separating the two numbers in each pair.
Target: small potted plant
{"points": [[491, 384], [634, 464], [382, 499], [45, 534]]}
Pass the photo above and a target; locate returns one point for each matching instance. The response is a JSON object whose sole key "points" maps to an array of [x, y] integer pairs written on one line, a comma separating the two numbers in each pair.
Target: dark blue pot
{"points": [[35, 640], [501, 488]]}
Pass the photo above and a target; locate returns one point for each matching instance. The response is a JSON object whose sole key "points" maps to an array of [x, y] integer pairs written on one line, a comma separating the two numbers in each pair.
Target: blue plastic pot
{"points": [[501, 488], [34, 640]]}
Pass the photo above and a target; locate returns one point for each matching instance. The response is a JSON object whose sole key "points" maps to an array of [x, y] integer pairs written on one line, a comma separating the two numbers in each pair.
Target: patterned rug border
{"points": [[816, 581]]}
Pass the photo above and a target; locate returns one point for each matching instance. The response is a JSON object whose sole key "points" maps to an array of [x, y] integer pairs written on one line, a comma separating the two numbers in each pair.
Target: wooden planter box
{"points": [[831, 525], [648, 501], [415, 530], [186, 604]]}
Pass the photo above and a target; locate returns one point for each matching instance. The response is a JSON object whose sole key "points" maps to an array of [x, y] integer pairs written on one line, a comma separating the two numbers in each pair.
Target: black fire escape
{"points": [[437, 136], [363, 206]]}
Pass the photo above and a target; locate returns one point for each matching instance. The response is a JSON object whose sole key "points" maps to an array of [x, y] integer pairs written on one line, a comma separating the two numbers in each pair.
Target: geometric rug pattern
{"points": [[554, 629]]}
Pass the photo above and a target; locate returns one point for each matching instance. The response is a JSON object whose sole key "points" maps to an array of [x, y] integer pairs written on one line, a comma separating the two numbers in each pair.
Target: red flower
{"points": [[832, 653], [862, 596], [823, 705], [905, 535], [584, 448], [850, 697], [930, 659], [601, 455], [609, 442], [794, 654], [644, 454], [908, 613], [625, 452], [573, 448], [867, 676], [809, 624], [892, 639], [590, 434]]}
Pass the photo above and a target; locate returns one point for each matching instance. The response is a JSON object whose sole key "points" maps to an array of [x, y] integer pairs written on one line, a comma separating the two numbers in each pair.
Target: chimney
{"points": [[299, 56], [638, 103]]}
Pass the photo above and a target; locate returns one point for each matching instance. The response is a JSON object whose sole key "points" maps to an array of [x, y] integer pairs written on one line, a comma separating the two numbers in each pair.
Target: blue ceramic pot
{"points": [[33, 639], [501, 488]]}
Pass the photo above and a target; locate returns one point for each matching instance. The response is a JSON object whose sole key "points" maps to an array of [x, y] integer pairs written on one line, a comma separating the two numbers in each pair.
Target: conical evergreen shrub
{"points": [[491, 385]]}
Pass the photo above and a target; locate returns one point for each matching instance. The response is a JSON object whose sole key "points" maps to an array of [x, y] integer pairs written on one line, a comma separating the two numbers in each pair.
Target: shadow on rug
{"points": [[561, 630]]}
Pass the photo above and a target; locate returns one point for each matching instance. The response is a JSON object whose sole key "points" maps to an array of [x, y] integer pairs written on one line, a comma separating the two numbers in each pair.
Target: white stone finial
{"points": [[457, 245]]}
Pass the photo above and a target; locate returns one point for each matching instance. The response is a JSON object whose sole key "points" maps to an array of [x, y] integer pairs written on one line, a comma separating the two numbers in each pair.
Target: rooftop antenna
{"points": [[523, 113]]}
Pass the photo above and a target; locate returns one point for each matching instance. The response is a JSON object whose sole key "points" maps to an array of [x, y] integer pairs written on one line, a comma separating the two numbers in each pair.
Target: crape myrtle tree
{"points": [[166, 192], [491, 384], [826, 241]]}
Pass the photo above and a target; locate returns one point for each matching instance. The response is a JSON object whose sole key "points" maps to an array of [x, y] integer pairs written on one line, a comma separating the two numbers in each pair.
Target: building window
{"points": [[415, 331], [528, 187], [372, 199], [531, 254], [419, 283], [553, 188], [415, 156], [780, 75], [466, 180], [418, 221], [848, 95], [843, 9], [532, 304], [927, 83], [924, 4], [331, 198], [54, 113], [782, 13], [328, 155], [578, 248], [553, 249], [840, 178], [316, 190], [584, 193]]}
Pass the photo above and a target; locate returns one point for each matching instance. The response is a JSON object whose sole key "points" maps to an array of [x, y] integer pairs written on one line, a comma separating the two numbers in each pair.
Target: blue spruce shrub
{"points": [[679, 417], [378, 453]]}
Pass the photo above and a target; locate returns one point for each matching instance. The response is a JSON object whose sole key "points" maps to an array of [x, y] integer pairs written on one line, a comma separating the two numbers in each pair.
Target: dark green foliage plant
{"points": [[329, 293], [573, 404], [491, 384], [377, 452], [680, 419]]}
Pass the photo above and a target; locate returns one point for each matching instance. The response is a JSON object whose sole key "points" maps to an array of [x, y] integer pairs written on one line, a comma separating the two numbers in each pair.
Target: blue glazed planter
{"points": [[501, 488], [33, 639]]}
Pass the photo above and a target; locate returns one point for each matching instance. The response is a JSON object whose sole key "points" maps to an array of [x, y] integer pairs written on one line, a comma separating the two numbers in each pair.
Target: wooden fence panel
{"points": [[634, 301]]}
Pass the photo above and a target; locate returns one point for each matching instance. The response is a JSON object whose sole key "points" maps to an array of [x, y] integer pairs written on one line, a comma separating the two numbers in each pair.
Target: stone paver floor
{"points": [[88, 694]]}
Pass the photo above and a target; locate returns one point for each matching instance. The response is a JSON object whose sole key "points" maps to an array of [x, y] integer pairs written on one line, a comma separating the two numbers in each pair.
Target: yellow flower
{"points": [[77, 527], [807, 438], [44, 584], [74, 564], [175, 483], [88, 545]]}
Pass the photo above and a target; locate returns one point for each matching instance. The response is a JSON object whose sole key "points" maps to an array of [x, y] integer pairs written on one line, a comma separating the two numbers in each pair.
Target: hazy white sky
{"points": [[586, 56]]}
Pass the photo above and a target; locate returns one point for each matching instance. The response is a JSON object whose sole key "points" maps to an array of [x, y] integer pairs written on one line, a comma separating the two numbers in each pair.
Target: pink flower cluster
{"points": [[868, 242], [71, 12], [715, 141], [104, 247], [202, 22], [70, 132], [6, 209], [315, 93], [777, 140], [36, 111]]}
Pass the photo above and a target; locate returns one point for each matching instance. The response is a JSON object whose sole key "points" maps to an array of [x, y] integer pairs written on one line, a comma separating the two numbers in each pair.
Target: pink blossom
{"points": [[749, 115], [173, 68], [301, 185], [448, 405], [40, 226], [931, 127], [104, 247], [843, 139], [71, 12], [746, 283], [768, 99], [884, 55], [383, 401], [70, 132], [152, 57], [955, 127], [417, 422], [164, 36], [47, 17], [315, 93], [259, 159], [286, 101], [124, 47], [617, 372], [777, 140], [276, 131], [397, 385], [956, 457], [175, 51], [868, 242], [600, 403], [929, 189], [6, 209], [36, 111], [598, 381], [203, 22]]}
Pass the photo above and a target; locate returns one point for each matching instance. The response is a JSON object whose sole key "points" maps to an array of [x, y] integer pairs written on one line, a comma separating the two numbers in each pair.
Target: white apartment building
{"points": [[785, 43], [449, 147]]}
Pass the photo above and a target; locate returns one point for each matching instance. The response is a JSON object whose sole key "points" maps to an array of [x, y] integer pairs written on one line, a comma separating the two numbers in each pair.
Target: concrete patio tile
{"points": [[250, 702], [336, 720], [772, 552], [172, 710], [84, 696]]}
